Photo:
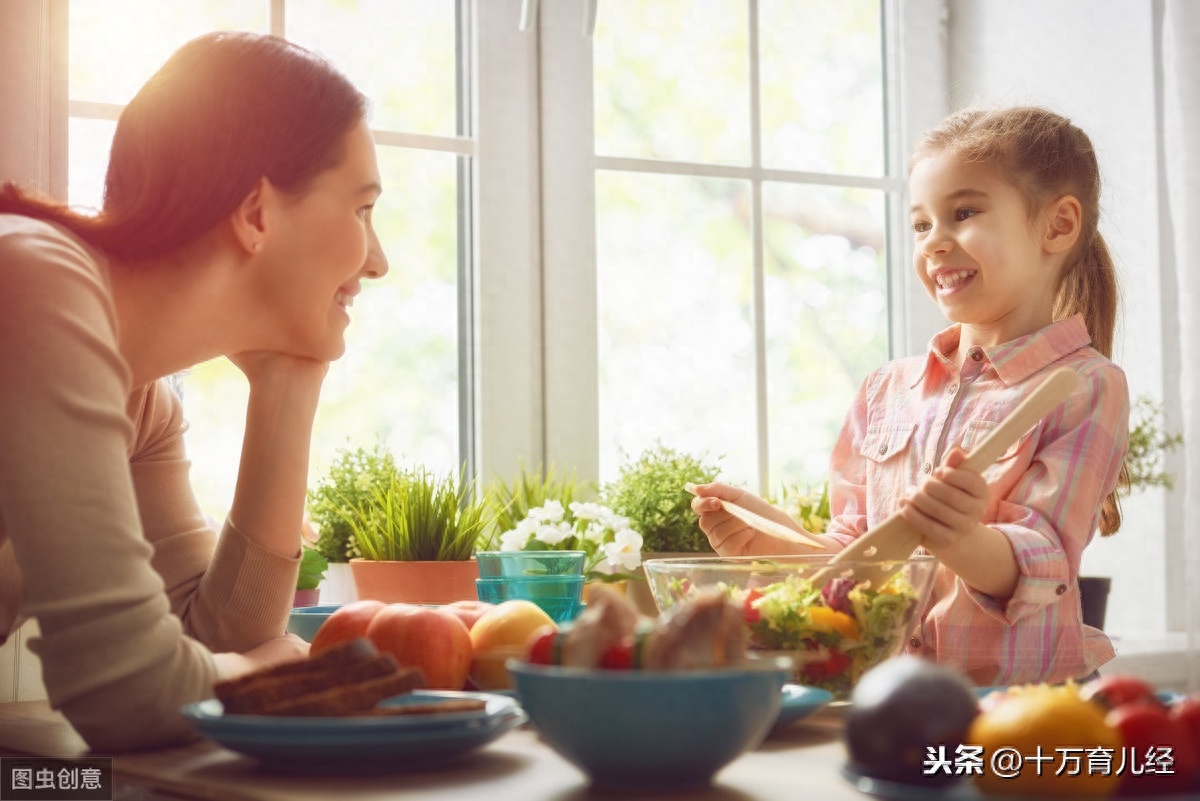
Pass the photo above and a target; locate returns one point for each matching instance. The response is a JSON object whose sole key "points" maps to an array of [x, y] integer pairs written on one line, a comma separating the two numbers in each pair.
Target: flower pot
{"points": [[638, 592], [415, 582], [338, 586], [1093, 598], [306, 598]]}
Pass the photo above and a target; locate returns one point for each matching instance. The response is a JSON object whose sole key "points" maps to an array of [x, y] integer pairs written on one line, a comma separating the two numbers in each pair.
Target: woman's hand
{"points": [[728, 535], [288, 648], [260, 366]]}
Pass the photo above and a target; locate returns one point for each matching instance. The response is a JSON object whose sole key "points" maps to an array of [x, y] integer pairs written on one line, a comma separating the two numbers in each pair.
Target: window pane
{"points": [[88, 146], [675, 339], [672, 80], [398, 380], [822, 85], [826, 318], [400, 53], [116, 45]]}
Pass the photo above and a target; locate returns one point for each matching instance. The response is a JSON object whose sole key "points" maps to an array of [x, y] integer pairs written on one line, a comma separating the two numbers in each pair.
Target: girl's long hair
{"points": [[1046, 157], [224, 111]]}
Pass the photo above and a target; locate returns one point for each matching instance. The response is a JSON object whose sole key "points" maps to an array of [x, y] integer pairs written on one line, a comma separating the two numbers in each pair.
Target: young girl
{"points": [[1004, 212], [237, 222]]}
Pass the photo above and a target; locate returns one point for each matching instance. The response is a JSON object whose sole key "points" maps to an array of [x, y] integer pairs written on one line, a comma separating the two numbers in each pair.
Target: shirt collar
{"points": [[1016, 360]]}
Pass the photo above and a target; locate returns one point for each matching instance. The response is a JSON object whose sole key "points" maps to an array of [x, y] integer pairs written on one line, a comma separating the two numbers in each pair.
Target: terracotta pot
{"points": [[415, 582], [306, 598], [638, 591]]}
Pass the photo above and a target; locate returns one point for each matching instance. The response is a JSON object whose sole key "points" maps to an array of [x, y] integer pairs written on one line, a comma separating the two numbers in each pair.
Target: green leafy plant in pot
{"points": [[413, 538], [649, 490], [508, 503], [312, 571]]}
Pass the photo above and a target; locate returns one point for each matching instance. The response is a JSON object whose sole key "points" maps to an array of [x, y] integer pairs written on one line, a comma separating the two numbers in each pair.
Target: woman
{"points": [[236, 222]]}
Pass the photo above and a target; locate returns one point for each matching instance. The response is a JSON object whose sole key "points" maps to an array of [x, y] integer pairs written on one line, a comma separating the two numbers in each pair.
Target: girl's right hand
{"points": [[277, 651], [728, 535]]}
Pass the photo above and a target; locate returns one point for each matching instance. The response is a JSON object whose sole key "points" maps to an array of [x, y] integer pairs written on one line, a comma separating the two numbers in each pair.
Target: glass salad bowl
{"points": [[835, 633]]}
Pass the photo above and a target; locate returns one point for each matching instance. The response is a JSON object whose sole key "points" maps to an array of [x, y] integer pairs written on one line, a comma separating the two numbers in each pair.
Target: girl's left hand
{"points": [[949, 505], [263, 365]]}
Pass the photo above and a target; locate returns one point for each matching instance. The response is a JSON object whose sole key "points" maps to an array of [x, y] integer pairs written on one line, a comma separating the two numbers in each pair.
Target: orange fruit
{"points": [[1069, 730], [499, 634]]}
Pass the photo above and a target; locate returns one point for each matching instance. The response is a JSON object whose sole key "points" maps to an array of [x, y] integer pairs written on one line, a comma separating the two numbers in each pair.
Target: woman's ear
{"points": [[248, 219], [1064, 221]]}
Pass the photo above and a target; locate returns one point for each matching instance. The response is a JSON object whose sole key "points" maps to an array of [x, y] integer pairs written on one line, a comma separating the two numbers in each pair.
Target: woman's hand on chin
{"points": [[260, 366]]}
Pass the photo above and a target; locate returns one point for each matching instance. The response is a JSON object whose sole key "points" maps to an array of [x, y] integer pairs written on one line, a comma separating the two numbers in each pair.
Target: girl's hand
{"points": [[260, 366], [949, 505], [728, 535], [288, 648]]}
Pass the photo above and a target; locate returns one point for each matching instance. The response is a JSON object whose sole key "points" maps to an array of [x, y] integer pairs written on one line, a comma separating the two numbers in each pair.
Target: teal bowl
{"points": [[305, 620], [521, 564], [633, 728]]}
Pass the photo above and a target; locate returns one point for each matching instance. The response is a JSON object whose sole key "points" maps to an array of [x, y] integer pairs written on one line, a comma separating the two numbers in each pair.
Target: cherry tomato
{"points": [[1117, 690], [1154, 742], [749, 612], [544, 647], [620, 656], [827, 668]]}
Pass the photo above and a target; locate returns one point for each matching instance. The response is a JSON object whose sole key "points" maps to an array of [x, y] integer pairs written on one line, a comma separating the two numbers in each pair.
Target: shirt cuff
{"points": [[1042, 578]]}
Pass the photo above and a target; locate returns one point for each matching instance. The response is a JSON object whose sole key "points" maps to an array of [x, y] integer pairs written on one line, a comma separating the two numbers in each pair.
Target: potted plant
{"points": [[312, 571], [650, 492], [612, 549], [413, 539], [509, 503], [350, 483]]}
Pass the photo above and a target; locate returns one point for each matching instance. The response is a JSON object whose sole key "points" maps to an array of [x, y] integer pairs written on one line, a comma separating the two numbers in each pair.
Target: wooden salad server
{"points": [[894, 540], [763, 524]]}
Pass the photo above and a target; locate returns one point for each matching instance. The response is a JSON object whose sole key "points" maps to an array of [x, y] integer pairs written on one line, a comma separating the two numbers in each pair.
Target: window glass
{"points": [[822, 85], [115, 45], [671, 80], [400, 53], [826, 317], [676, 345], [88, 144]]}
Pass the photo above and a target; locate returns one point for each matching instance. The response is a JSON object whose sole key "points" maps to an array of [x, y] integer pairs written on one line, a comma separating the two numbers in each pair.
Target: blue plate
{"points": [[1167, 697], [962, 790], [356, 743], [799, 702]]}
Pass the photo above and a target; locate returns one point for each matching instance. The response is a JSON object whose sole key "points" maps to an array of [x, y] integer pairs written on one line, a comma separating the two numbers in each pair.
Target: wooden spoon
{"points": [[763, 524], [894, 539]]}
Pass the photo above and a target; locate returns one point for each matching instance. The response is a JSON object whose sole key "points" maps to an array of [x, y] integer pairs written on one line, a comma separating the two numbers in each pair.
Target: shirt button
{"points": [[914, 642], [1060, 589], [927, 469], [976, 354], [882, 450], [952, 390]]}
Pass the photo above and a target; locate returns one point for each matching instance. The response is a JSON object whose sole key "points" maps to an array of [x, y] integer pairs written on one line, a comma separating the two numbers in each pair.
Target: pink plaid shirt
{"points": [[1046, 491]]}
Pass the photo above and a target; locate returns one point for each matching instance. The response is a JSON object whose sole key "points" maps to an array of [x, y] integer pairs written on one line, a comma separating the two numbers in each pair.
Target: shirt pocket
{"points": [[885, 443], [977, 430]]}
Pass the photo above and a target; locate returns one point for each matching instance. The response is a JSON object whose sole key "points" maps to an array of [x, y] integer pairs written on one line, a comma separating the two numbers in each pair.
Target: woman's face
{"points": [[322, 245]]}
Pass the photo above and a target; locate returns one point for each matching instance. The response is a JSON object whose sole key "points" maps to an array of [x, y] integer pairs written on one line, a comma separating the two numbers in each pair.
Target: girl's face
{"points": [[978, 252], [323, 246]]}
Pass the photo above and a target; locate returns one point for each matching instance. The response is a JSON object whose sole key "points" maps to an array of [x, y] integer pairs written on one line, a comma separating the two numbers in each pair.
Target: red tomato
{"points": [[749, 612], [1187, 712], [828, 668], [1152, 736], [544, 648], [618, 657], [1117, 690]]}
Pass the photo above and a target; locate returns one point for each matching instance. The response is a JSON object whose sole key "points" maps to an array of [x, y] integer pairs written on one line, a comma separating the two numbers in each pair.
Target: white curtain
{"points": [[1181, 141]]}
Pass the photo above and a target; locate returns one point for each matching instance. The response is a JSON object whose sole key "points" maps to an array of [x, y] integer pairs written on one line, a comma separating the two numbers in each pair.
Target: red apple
{"points": [[345, 624], [468, 611], [427, 637]]}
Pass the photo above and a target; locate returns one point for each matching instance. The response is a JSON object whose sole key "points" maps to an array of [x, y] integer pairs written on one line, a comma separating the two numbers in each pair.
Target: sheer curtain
{"points": [[1181, 149]]}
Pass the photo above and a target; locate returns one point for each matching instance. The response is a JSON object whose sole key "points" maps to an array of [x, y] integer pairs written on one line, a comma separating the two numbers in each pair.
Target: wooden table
{"points": [[799, 761]]}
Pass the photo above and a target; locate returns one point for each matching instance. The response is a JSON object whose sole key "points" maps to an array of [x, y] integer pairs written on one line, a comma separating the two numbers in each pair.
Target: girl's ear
{"points": [[248, 220], [1064, 221]]}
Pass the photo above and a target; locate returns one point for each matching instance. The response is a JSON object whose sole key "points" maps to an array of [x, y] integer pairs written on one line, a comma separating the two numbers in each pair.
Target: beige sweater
{"points": [[101, 538]]}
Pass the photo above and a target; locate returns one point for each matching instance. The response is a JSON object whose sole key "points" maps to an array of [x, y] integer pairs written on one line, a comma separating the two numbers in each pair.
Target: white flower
{"points": [[550, 512], [625, 551], [613, 520], [589, 511], [596, 533], [514, 539], [527, 526], [553, 535]]}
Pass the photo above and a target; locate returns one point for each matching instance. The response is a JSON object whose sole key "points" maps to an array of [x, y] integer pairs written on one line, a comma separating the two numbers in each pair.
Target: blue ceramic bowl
{"points": [[519, 564], [558, 596], [305, 620], [650, 728]]}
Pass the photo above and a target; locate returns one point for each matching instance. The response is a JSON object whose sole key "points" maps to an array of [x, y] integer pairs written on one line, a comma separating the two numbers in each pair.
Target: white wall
{"points": [[1094, 61]]}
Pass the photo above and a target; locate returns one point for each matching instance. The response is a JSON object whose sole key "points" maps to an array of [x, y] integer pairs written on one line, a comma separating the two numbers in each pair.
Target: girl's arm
{"points": [[729, 536]]}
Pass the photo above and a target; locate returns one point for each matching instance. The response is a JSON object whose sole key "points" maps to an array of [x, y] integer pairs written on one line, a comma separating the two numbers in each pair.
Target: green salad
{"points": [[836, 633]]}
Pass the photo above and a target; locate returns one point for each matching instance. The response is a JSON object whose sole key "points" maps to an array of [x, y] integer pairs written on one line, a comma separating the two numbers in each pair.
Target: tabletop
{"points": [[802, 759]]}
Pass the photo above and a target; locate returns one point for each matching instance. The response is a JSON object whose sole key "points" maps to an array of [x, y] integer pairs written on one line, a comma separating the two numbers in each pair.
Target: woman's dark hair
{"points": [[225, 110]]}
